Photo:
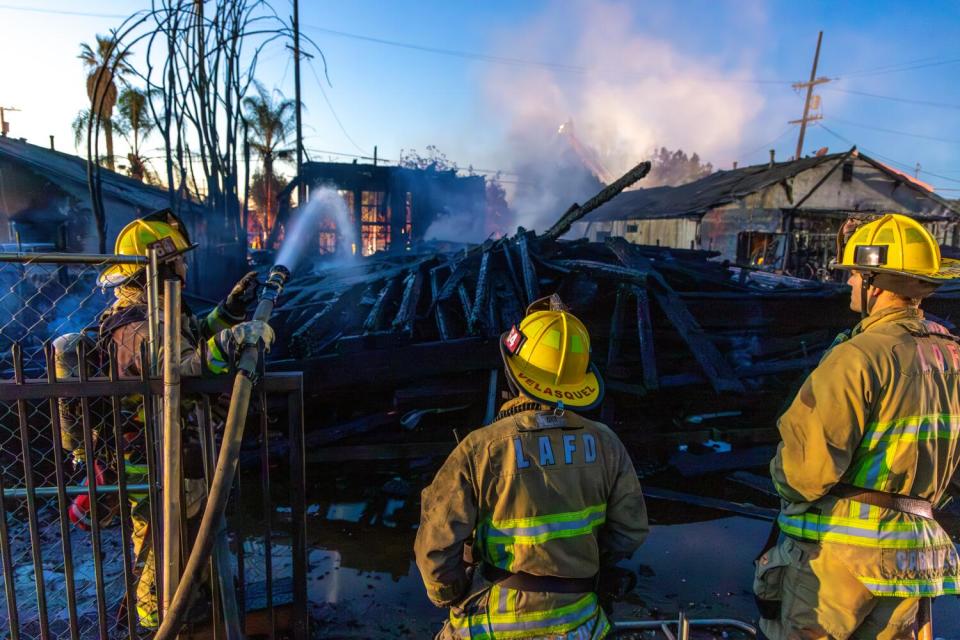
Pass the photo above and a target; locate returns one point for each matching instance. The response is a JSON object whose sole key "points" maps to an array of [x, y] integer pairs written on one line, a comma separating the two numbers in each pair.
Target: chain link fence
{"points": [[44, 297], [69, 570]]}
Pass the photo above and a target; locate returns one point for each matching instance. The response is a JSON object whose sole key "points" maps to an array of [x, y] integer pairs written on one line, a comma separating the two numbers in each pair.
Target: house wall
{"points": [[679, 233], [864, 189], [720, 227]]}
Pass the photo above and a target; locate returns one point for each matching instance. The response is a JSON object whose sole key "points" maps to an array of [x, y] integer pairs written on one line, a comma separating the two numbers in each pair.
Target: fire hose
{"points": [[226, 462]]}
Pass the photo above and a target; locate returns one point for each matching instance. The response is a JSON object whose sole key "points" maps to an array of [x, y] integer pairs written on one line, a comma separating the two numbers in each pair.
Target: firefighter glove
{"points": [[243, 294], [250, 333]]}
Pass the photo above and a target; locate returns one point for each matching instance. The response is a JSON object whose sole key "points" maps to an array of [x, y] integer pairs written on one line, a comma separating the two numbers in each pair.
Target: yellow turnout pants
{"points": [[822, 599]]}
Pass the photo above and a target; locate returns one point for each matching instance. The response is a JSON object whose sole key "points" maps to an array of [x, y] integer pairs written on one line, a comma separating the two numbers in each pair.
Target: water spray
{"points": [[226, 467], [324, 202]]}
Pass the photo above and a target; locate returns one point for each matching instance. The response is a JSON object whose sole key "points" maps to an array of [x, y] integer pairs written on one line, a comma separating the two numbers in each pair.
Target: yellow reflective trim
{"points": [[216, 322], [216, 361], [868, 533], [548, 535], [588, 604], [569, 516], [513, 596]]}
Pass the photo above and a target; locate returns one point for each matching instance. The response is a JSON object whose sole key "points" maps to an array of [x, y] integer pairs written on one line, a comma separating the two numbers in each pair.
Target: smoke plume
{"points": [[627, 93]]}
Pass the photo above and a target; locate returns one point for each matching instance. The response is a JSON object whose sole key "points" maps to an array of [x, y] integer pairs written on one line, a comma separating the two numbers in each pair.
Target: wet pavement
{"points": [[363, 582]]}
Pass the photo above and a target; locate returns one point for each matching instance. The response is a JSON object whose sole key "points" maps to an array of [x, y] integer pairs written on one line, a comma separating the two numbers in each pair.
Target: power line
{"points": [[904, 165], [887, 66], [522, 62], [61, 12], [332, 110], [926, 103], [451, 52], [894, 131], [904, 67], [767, 145]]}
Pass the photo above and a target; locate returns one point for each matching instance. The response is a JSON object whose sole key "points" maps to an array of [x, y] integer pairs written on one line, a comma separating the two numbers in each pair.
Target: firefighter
{"points": [[125, 325], [870, 444], [549, 498]]}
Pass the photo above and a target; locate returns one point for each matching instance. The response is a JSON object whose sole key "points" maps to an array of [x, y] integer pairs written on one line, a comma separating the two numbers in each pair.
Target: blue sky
{"points": [[711, 77]]}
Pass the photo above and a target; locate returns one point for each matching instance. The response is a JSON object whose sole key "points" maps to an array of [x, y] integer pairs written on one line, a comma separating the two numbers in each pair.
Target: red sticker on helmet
{"points": [[514, 340]]}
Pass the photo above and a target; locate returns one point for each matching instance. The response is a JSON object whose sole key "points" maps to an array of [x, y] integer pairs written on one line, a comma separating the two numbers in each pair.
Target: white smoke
{"points": [[628, 94]]}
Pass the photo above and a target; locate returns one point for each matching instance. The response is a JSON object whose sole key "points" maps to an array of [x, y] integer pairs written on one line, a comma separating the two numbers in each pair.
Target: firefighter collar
{"points": [[888, 315]]}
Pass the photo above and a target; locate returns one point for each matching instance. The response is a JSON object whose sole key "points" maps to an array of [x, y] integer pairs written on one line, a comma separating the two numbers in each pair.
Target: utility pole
{"points": [[4, 127], [814, 81], [301, 188]]}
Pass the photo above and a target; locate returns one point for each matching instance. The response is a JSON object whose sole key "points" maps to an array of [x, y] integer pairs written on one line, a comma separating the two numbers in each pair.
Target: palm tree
{"points": [[270, 121], [135, 116], [80, 123], [107, 64]]}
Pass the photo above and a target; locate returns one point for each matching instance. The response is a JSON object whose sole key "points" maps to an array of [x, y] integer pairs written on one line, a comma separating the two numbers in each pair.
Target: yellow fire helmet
{"points": [[162, 230], [547, 357], [897, 245]]}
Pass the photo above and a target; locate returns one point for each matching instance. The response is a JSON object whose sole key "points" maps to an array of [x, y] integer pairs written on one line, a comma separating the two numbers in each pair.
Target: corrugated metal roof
{"points": [[722, 187]]}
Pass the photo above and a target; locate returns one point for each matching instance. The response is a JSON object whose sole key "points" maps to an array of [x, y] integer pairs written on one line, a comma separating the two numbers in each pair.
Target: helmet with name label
{"points": [[547, 357], [897, 245]]}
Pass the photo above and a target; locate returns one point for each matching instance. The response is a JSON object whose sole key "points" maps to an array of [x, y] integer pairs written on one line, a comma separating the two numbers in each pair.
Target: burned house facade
{"points": [[389, 208], [780, 216]]}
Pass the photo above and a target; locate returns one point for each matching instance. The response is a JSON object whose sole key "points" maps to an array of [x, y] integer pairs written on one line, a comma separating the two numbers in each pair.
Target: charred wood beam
{"points": [[775, 367], [510, 309], [457, 273], [305, 328], [389, 366], [481, 294], [398, 451], [576, 212], [373, 318], [511, 269], [408, 303], [600, 269], [493, 300], [464, 300], [711, 361], [439, 311], [752, 480], [358, 426], [627, 255], [616, 329], [648, 360], [531, 286]]}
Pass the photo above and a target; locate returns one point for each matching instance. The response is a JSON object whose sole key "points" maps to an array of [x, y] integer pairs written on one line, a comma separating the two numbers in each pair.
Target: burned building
{"points": [[390, 208], [781, 216]]}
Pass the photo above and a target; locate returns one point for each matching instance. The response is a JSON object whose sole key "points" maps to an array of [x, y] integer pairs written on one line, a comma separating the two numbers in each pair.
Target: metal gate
{"points": [[63, 581]]}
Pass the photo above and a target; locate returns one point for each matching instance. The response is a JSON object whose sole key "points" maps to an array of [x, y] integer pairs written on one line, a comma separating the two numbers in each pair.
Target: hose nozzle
{"points": [[273, 287]]}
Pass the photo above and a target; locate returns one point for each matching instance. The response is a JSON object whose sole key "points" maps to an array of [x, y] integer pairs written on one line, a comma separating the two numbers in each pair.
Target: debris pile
{"points": [[686, 344]]}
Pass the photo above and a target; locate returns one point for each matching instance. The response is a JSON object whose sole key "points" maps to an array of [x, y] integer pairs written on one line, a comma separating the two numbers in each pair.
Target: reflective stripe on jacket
{"points": [[540, 494], [881, 411]]}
